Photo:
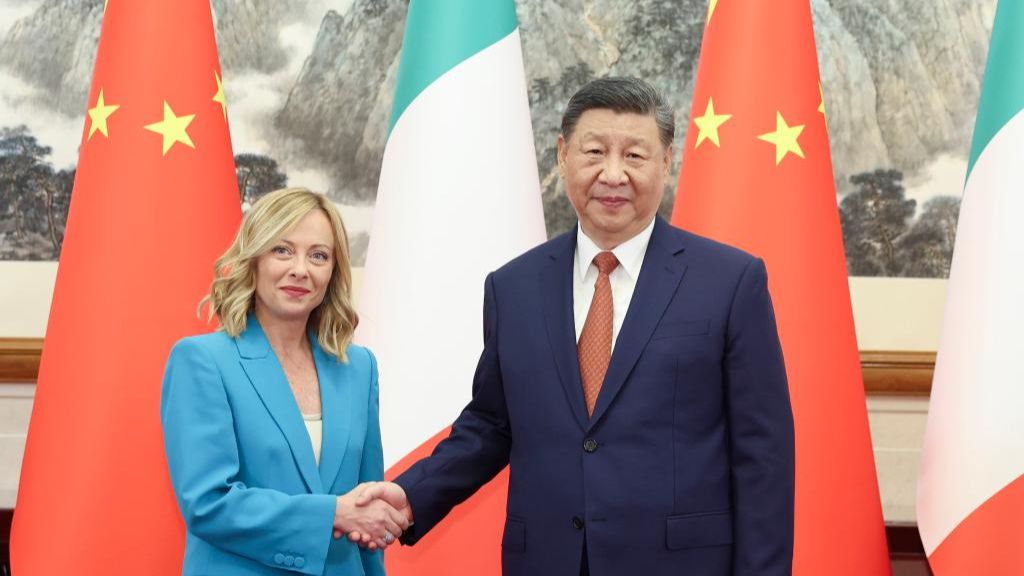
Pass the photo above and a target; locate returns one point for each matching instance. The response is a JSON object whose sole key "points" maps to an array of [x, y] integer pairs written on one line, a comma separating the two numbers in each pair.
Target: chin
{"points": [[292, 313]]}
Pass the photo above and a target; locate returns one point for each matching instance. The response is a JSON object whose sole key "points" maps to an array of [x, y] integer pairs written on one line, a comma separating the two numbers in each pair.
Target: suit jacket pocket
{"points": [[699, 530], [514, 539], [684, 328]]}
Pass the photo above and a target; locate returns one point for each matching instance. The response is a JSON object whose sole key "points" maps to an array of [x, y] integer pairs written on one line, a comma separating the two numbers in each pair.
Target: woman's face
{"points": [[292, 277]]}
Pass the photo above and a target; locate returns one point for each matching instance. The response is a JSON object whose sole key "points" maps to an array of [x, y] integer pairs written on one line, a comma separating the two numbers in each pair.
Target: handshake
{"points": [[373, 514]]}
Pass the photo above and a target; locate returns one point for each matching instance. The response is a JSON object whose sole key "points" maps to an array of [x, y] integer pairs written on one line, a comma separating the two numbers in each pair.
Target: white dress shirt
{"points": [[315, 426], [623, 279]]}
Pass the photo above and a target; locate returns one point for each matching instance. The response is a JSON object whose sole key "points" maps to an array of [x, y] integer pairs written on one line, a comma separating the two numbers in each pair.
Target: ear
{"points": [[667, 160], [563, 153]]}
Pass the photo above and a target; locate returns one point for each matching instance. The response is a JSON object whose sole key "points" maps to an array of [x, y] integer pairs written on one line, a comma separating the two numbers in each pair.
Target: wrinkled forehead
{"points": [[624, 128]]}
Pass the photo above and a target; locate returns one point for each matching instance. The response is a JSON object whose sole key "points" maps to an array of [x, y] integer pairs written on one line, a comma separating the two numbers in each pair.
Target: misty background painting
{"points": [[309, 86]]}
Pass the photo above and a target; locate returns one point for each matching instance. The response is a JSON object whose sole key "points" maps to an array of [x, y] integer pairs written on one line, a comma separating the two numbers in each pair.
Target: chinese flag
{"points": [[757, 174], [155, 202]]}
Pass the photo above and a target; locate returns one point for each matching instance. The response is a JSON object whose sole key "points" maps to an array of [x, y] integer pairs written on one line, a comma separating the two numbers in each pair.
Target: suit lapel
{"points": [[336, 401], [658, 281], [267, 376], [557, 298]]}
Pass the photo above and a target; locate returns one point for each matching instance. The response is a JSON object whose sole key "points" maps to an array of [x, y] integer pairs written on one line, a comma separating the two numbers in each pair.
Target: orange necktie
{"points": [[595, 346]]}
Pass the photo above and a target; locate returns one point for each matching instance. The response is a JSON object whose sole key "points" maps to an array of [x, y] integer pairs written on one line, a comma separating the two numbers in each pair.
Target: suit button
{"points": [[289, 560], [590, 445], [279, 558], [300, 561], [577, 522]]}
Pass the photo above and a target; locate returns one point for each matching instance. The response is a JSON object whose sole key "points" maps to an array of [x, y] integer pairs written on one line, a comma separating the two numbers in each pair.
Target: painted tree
{"points": [[874, 216]]}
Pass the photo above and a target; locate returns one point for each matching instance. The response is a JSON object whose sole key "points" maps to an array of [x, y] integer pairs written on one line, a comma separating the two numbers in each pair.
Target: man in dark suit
{"points": [[631, 376]]}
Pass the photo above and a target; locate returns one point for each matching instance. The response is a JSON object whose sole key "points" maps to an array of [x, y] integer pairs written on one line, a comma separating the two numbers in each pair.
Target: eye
{"points": [[280, 250], [321, 256], [634, 156]]}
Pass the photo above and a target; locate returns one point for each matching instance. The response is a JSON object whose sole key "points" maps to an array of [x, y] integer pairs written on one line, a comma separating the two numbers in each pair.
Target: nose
{"points": [[299, 269], [613, 172]]}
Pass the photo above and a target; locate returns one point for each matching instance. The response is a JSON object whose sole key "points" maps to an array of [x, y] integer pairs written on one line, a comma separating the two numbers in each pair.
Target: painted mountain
{"points": [[309, 84]]}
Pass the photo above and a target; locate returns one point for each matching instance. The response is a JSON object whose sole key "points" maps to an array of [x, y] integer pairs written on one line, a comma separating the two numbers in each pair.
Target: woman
{"points": [[244, 409]]}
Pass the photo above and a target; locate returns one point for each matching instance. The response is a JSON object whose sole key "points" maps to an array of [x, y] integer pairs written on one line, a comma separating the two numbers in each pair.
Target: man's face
{"points": [[614, 167]]}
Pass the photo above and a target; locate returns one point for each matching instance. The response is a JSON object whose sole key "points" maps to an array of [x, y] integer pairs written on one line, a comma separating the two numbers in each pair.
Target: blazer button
{"points": [[300, 561], [279, 558], [577, 522], [289, 560], [590, 445]]}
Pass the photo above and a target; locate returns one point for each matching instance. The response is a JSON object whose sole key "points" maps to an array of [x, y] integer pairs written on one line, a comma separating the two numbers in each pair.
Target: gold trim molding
{"points": [[886, 373], [19, 359], [889, 373]]}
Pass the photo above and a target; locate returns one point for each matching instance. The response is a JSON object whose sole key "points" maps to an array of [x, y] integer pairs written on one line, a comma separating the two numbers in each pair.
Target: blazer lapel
{"points": [[658, 281], [267, 377], [556, 296], [336, 401]]}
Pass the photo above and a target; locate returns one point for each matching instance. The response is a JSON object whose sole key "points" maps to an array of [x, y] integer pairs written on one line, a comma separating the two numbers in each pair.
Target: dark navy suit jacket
{"points": [[687, 464]]}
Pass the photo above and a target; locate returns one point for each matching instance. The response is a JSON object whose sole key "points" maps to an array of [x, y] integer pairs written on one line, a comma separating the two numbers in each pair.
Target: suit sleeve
{"points": [[202, 456], [477, 447], [761, 432], [371, 468]]}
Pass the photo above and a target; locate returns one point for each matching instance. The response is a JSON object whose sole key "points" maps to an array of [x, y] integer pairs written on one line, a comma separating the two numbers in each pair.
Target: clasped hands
{"points": [[373, 514]]}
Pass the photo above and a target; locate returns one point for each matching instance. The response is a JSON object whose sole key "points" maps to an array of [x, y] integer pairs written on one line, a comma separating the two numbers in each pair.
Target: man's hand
{"points": [[373, 524], [378, 494]]}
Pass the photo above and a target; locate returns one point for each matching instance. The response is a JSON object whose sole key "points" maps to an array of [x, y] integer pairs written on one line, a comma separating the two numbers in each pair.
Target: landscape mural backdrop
{"points": [[309, 86]]}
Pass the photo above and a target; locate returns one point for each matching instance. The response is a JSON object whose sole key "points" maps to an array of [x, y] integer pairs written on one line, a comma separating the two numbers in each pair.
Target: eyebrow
{"points": [[630, 140], [289, 242]]}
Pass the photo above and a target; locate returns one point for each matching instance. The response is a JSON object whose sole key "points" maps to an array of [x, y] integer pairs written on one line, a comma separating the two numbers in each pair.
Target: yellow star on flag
{"points": [[172, 128], [784, 138], [219, 96], [98, 116], [709, 124], [711, 10], [821, 107]]}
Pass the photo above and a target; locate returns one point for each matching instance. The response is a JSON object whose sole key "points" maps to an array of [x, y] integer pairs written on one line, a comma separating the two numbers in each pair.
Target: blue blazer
{"points": [[686, 465], [242, 464]]}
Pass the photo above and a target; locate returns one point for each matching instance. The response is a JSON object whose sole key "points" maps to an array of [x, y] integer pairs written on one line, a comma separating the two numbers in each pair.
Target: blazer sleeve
{"points": [[202, 455], [371, 467], [761, 432], [477, 447]]}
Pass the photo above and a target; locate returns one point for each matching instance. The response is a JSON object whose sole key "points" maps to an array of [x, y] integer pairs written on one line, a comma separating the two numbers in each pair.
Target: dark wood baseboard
{"points": [[6, 516], [906, 553]]}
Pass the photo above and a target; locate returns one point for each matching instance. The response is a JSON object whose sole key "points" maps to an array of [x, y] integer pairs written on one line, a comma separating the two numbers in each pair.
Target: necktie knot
{"points": [[606, 262]]}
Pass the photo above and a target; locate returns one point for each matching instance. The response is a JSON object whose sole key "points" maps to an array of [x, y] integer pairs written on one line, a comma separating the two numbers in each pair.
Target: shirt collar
{"points": [[630, 253]]}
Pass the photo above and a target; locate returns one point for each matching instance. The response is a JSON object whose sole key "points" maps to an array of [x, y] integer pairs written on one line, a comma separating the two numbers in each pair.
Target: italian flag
{"points": [[458, 197], [970, 498]]}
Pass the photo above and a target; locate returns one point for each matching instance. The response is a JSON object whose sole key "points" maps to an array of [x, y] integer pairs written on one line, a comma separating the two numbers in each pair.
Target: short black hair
{"points": [[621, 94]]}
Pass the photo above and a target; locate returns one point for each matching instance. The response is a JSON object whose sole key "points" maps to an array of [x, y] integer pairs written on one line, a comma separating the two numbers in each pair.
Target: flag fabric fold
{"points": [[155, 201], [757, 174], [459, 196], [970, 494]]}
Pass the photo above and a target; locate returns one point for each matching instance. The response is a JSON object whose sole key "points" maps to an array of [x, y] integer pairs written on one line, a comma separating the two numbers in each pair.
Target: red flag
{"points": [[479, 521], [757, 174], [155, 202]]}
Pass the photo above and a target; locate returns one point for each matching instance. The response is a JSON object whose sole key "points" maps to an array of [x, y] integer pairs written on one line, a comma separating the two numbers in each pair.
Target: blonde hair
{"points": [[232, 294]]}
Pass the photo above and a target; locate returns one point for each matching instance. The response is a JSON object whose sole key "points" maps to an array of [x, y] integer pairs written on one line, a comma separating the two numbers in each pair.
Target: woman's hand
{"points": [[369, 524]]}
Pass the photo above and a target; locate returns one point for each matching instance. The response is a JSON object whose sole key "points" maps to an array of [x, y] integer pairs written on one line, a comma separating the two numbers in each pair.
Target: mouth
{"points": [[613, 202], [295, 291]]}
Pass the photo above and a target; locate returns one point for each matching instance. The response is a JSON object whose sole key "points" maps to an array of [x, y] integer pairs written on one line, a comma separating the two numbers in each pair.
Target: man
{"points": [[631, 376]]}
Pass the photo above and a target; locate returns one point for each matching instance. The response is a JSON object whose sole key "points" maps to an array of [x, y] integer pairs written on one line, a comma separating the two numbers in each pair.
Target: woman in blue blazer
{"points": [[271, 423]]}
